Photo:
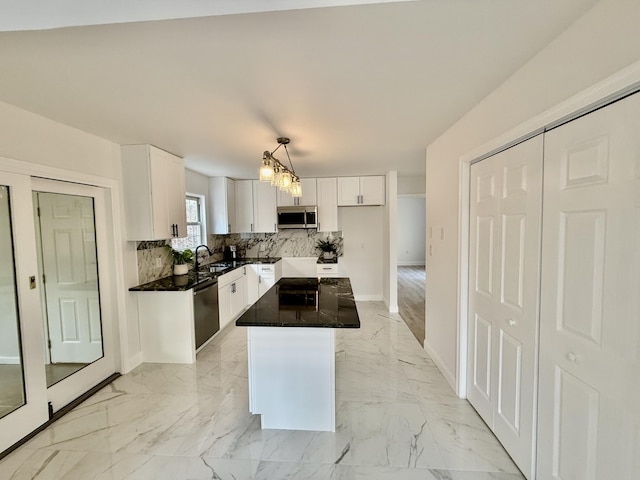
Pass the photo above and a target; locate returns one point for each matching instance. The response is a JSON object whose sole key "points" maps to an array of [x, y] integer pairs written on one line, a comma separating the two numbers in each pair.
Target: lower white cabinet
{"points": [[260, 278], [167, 333], [232, 295], [327, 270]]}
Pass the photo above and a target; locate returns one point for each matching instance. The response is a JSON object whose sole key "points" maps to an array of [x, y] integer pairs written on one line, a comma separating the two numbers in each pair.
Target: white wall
{"points": [[362, 261], [37, 140], [390, 242], [411, 185], [196, 183], [605, 40], [411, 230]]}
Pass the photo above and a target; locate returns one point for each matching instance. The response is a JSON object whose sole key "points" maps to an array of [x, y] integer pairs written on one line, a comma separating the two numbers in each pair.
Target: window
{"points": [[195, 225]]}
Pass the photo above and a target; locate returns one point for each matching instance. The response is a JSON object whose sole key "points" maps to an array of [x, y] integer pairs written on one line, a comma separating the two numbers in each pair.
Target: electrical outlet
{"points": [[158, 262], [263, 247]]}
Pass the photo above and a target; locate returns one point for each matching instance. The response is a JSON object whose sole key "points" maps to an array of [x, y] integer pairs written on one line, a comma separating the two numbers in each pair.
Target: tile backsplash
{"points": [[286, 243]]}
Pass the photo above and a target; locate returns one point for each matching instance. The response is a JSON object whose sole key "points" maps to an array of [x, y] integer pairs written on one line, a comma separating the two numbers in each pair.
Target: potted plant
{"points": [[329, 247], [181, 260]]}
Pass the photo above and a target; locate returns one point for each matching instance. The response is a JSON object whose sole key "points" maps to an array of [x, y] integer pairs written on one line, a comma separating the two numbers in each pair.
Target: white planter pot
{"points": [[180, 269]]}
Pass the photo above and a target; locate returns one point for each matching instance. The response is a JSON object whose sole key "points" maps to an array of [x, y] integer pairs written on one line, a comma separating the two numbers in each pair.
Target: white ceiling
{"points": [[359, 89]]}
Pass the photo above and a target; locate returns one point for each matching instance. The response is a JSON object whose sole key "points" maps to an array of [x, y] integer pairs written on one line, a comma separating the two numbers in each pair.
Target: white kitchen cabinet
{"points": [[327, 197], [268, 275], [167, 333], [355, 191], [253, 291], [260, 278], [255, 207], [265, 215], [154, 193], [232, 295], [327, 270], [244, 205], [308, 198], [222, 205]]}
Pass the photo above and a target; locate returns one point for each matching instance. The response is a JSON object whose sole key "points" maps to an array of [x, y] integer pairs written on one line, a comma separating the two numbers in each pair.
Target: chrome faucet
{"points": [[195, 266]]}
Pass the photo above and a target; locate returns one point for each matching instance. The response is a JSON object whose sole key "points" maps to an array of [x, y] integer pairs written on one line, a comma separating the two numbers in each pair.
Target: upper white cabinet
{"points": [[327, 197], [265, 214], [308, 198], [361, 191], [154, 193], [255, 207], [244, 205], [222, 205]]}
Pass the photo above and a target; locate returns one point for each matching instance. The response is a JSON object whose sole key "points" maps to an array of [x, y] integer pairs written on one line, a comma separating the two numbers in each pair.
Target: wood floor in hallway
{"points": [[411, 281]]}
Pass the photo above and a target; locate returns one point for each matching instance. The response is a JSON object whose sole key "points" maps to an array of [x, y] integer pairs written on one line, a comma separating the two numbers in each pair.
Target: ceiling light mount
{"points": [[272, 170]]}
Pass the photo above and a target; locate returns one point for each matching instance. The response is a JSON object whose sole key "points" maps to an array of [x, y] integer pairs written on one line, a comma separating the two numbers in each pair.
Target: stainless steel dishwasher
{"points": [[205, 311]]}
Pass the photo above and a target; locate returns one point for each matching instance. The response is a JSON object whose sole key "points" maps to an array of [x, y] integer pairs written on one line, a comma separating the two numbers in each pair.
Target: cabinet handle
{"points": [[228, 228], [275, 227], [259, 278], [252, 227], [233, 288], [177, 231], [326, 268]]}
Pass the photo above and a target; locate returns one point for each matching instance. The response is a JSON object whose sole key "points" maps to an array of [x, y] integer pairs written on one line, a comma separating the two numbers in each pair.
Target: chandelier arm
{"points": [[276, 149], [292, 169]]}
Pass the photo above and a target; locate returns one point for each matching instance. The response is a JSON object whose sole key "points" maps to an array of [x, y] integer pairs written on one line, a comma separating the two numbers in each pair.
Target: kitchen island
{"points": [[291, 348]]}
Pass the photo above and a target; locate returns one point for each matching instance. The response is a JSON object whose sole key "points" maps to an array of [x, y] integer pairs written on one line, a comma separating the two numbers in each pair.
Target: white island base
{"points": [[292, 377]]}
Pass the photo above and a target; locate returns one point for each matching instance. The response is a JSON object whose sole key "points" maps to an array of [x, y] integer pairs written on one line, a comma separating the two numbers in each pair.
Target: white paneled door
{"points": [[504, 264], [589, 402], [70, 267]]}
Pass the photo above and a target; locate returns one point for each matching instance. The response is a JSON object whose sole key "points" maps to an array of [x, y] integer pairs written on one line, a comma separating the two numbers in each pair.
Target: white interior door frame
{"points": [[613, 88], [115, 274]]}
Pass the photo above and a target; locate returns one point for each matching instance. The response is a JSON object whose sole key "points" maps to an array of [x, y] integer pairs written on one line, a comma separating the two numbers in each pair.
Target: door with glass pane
{"points": [[23, 402], [70, 227]]}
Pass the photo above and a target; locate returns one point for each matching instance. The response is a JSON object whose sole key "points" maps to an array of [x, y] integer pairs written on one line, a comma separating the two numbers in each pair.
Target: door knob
{"points": [[572, 357], [512, 322]]}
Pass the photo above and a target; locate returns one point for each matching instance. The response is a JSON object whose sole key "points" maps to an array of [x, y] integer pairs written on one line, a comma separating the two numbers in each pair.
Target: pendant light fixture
{"points": [[273, 171]]}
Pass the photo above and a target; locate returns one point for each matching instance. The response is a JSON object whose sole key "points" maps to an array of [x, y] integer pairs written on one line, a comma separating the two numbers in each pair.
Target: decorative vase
{"points": [[180, 269], [328, 255]]}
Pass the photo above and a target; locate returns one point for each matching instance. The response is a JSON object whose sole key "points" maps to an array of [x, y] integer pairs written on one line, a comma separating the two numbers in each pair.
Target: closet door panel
{"points": [[504, 265], [589, 425]]}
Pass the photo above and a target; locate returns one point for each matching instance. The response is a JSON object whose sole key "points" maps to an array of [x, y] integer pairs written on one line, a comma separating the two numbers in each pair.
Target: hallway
{"points": [[411, 282]]}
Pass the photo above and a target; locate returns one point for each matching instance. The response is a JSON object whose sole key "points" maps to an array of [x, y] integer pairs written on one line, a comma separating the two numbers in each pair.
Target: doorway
{"points": [[70, 293], [70, 232], [411, 250]]}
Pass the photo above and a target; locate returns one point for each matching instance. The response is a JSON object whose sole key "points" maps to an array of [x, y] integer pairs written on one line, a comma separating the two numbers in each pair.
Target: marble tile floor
{"points": [[397, 419]]}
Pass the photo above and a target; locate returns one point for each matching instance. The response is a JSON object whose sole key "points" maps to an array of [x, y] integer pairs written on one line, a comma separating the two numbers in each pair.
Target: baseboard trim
{"points": [[132, 362], [409, 263], [9, 360], [449, 377], [368, 298]]}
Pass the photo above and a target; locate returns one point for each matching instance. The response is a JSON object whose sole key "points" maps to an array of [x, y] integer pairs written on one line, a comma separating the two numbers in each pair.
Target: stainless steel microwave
{"points": [[297, 217]]}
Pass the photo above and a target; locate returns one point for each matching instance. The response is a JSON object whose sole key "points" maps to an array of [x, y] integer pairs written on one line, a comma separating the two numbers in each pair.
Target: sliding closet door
{"points": [[589, 421], [23, 400], [503, 295]]}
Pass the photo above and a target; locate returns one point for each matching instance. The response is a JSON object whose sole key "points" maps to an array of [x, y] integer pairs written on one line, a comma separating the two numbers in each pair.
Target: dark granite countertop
{"points": [[208, 273], [321, 259], [304, 302]]}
